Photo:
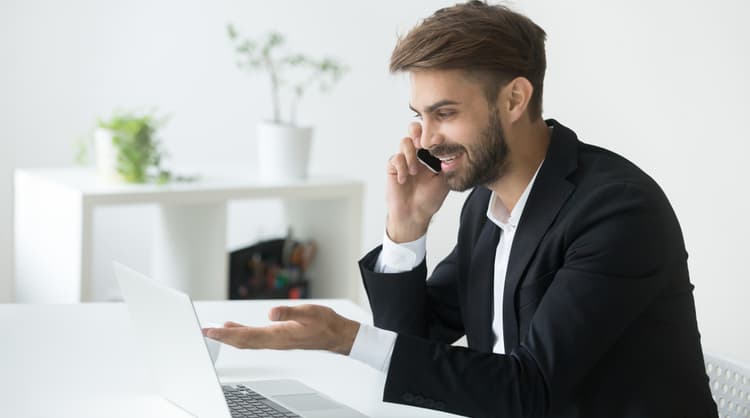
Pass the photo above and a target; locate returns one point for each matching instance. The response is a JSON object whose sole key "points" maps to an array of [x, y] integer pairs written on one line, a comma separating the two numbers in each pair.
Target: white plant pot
{"points": [[283, 152], [105, 156]]}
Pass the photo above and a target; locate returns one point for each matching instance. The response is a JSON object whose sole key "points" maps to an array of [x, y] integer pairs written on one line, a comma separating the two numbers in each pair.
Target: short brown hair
{"points": [[489, 41]]}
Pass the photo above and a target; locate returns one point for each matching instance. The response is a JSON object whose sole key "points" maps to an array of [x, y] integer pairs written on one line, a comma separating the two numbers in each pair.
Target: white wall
{"points": [[663, 83]]}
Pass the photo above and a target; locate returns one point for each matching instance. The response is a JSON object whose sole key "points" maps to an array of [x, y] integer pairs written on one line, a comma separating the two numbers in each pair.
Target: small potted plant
{"points": [[283, 146], [126, 149]]}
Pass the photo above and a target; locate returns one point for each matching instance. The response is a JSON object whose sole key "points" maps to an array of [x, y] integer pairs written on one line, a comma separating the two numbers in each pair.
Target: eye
{"points": [[444, 114], [417, 116]]}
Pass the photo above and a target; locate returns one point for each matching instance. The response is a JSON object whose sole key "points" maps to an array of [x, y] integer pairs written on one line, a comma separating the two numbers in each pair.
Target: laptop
{"points": [[167, 327]]}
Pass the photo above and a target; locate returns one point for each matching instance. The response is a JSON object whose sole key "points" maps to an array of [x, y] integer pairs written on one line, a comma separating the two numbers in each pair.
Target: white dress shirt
{"points": [[374, 346]]}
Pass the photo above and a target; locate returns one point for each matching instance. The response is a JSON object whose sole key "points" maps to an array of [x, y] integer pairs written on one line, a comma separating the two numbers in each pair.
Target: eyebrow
{"points": [[433, 107]]}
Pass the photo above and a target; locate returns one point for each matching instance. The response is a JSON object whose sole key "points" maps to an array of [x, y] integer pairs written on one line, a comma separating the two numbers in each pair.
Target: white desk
{"points": [[81, 360], [54, 231]]}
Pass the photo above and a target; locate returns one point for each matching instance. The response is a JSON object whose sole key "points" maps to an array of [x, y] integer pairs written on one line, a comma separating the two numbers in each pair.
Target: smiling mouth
{"points": [[448, 159]]}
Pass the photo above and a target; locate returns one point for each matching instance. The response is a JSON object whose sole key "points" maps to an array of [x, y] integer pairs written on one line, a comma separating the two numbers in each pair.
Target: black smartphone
{"points": [[429, 161]]}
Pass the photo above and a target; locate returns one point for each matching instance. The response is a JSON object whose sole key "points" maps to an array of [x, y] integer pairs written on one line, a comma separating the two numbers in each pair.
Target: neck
{"points": [[527, 146]]}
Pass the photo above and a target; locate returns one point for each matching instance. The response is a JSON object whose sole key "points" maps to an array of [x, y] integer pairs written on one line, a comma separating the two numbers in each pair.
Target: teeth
{"points": [[449, 159]]}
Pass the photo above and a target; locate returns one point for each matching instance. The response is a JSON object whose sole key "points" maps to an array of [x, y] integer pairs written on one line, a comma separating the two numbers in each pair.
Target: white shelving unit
{"points": [[54, 231]]}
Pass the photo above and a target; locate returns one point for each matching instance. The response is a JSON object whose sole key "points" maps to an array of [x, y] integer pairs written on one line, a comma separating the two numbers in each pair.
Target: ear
{"points": [[515, 98]]}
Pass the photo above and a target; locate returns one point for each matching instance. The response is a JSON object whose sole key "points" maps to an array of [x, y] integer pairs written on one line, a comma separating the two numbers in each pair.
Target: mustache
{"points": [[446, 149]]}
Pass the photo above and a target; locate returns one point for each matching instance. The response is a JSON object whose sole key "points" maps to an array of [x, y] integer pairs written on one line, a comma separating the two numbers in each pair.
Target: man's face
{"points": [[459, 127]]}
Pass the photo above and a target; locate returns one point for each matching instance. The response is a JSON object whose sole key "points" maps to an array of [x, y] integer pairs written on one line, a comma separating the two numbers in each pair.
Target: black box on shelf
{"points": [[272, 269]]}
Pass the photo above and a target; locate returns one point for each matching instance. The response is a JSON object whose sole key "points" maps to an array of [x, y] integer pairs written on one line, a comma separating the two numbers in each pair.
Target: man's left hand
{"points": [[311, 327]]}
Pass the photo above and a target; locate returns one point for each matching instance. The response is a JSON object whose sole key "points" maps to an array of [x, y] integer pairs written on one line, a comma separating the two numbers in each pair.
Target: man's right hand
{"points": [[413, 193]]}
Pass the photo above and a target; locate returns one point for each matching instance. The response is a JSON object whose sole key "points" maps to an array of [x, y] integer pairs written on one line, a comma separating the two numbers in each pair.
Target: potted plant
{"points": [[126, 149], [283, 146]]}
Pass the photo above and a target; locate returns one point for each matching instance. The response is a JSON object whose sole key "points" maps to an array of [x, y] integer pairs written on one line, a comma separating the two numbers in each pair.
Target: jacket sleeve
{"points": [[618, 258], [407, 303]]}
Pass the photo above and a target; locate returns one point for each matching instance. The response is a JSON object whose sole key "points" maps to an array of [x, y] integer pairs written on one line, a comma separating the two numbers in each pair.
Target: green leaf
{"points": [[138, 149], [289, 72]]}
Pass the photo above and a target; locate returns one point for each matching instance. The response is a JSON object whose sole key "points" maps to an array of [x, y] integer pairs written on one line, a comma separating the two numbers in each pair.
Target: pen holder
{"points": [[271, 269]]}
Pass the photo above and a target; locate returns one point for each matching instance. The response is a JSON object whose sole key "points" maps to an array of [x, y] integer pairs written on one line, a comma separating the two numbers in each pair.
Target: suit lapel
{"points": [[480, 285], [547, 196]]}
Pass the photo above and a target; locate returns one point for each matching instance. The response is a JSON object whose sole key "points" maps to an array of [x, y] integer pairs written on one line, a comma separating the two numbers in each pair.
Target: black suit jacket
{"points": [[598, 312]]}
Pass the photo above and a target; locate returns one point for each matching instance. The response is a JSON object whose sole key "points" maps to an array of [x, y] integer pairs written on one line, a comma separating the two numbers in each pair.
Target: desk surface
{"points": [[82, 361]]}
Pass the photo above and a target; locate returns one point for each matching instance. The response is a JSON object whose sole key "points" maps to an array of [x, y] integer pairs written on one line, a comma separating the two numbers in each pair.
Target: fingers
{"points": [[228, 334], [409, 151], [298, 327], [415, 133], [241, 337], [225, 335], [406, 163], [397, 166]]}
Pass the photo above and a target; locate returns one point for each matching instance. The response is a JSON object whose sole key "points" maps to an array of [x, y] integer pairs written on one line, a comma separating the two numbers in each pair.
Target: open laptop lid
{"points": [[167, 327]]}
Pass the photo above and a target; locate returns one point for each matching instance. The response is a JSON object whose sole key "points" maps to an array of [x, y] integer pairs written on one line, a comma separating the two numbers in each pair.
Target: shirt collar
{"points": [[498, 213]]}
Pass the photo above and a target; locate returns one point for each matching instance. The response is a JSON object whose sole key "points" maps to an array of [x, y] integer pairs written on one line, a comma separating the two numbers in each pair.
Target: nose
{"points": [[430, 135]]}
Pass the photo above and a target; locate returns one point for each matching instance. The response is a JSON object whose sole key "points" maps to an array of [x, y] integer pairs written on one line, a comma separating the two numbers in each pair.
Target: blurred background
{"points": [[663, 83]]}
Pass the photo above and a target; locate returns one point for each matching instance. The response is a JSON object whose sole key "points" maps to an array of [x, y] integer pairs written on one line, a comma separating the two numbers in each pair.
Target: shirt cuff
{"points": [[374, 347], [397, 258]]}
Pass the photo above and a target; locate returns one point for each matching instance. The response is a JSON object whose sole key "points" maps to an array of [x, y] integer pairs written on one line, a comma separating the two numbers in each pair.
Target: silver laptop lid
{"points": [[167, 327]]}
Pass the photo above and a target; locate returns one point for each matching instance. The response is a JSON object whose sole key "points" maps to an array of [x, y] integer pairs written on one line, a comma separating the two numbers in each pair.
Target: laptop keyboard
{"points": [[246, 403]]}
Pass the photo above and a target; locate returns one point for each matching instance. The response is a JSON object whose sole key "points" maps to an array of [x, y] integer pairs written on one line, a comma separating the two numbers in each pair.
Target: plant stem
{"points": [[293, 108], [274, 89]]}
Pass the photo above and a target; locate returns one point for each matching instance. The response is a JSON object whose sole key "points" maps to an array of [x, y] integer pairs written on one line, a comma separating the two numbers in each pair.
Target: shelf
{"points": [[54, 229]]}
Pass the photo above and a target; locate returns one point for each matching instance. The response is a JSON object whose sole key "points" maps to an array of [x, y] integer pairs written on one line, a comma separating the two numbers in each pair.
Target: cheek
{"points": [[460, 133]]}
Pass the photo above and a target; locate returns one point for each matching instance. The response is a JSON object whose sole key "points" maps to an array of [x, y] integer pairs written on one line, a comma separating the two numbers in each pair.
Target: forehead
{"points": [[432, 86]]}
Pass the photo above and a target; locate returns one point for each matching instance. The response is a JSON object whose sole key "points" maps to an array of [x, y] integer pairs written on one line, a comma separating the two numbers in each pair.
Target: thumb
{"points": [[230, 324], [289, 313], [281, 313]]}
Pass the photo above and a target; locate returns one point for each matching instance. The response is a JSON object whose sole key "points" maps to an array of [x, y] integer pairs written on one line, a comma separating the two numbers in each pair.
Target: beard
{"points": [[486, 160]]}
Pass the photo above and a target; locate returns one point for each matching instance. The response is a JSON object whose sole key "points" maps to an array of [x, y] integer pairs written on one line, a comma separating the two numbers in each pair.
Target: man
{"points": [[569, 277]]}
